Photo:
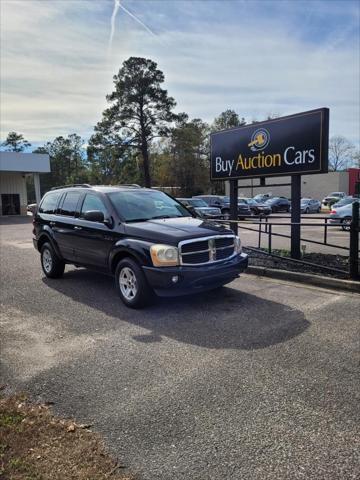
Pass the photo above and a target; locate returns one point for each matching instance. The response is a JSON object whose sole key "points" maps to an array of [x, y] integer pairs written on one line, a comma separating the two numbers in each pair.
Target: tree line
{"points": [[140, 139]]}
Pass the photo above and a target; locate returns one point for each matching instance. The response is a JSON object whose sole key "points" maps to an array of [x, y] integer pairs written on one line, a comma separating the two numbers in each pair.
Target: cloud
{"points": [[56, 72]]}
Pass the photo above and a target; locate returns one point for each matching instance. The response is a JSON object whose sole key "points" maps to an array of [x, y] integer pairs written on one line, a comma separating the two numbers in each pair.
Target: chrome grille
{"points": [[200, 251]]}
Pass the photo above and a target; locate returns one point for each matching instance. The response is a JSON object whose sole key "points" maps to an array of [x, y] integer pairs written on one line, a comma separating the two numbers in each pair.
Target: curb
{"points": [[317, 280]]}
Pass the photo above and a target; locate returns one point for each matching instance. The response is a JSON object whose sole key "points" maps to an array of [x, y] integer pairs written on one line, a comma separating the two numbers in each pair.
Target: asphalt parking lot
{"points": [[257, 381]]}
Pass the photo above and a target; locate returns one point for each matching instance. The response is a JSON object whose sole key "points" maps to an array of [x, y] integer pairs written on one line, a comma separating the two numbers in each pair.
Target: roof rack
{"points": [[78, 185], [134, 185]]}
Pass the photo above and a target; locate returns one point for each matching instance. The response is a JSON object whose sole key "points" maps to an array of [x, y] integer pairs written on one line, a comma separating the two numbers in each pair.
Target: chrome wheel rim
{"points": [[128, 283], [47, 260]]}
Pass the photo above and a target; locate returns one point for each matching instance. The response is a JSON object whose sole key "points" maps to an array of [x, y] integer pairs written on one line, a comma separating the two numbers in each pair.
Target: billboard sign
{"points": [[296, 144]]}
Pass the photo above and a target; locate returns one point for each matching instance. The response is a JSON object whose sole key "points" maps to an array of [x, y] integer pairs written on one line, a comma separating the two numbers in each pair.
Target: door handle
{"points": [[77, 228], [52, 224]]}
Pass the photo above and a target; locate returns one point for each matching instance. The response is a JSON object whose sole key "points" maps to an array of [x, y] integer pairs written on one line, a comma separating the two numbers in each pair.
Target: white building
{"points": [[315, 186], [14, 168]]}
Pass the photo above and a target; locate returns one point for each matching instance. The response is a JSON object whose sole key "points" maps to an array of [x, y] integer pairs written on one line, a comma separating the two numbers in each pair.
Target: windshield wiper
{"points": [[165, 216], [137, 220], [153, 218]]}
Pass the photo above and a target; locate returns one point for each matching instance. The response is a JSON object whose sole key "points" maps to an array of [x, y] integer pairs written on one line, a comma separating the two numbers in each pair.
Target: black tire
{"points": [[307, 210], [345, 224], [318, 210], [226, 214], [287, 209], [143, 293], [52, 265]]}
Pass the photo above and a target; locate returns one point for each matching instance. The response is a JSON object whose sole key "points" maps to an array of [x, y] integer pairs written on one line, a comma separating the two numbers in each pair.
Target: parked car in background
{"points": [[256, 207], [345, 201], [263, 197], [332, 198], [31, 207], [243, 209], [279, 204], [223, 203], [342, 216], [310, 205], [201, 208], [216, 201]]}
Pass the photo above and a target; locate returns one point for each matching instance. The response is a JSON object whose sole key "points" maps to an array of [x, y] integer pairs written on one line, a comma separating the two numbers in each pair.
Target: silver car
{"points": [[342, 216], [309, 205]]}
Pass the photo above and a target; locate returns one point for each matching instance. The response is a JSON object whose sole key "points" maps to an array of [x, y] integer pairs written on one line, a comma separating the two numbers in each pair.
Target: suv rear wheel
{"points": [[51, 264], [131, 284]]}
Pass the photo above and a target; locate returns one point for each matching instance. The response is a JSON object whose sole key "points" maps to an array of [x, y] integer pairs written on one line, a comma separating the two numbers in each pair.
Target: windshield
{"points": [[197, 202], [305, 200], [141, 205], [250, 201]]}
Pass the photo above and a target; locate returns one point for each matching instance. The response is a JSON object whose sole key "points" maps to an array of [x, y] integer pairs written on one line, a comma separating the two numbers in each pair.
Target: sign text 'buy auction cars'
{"points": [[283, 146]]}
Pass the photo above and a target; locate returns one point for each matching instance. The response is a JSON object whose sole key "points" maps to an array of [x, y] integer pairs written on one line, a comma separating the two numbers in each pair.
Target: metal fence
{"points": [[266, 226]]}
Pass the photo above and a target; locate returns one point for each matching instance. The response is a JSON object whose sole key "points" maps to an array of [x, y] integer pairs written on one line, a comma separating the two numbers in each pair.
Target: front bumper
{"points": [[264, 211], [194, 279]]}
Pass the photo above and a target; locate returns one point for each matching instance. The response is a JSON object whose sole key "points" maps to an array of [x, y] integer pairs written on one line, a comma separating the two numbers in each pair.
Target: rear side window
{"points": [[92, 202], [49, 203], [69, 204]]}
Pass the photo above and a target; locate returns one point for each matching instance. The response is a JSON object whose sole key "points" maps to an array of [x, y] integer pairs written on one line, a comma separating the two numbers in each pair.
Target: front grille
{"points": [[206, 250], [195, 246], [224, 242]]}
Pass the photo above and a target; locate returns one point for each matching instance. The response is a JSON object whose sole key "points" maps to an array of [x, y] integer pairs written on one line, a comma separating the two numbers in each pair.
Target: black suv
{"points": [[224, 204], [145, 238]]}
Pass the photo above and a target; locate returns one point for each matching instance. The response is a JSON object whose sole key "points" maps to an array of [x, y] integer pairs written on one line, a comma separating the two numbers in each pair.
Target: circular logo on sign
{"points": [[259, 139]]}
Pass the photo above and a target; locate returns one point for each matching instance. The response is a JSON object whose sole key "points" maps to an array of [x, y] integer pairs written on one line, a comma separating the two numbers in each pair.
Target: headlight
{"points": [[238, 247], [164, 255]]}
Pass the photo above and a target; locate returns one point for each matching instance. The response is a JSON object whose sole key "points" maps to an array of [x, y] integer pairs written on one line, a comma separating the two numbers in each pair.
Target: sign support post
{"points": [[234, 204], [295, 216]]}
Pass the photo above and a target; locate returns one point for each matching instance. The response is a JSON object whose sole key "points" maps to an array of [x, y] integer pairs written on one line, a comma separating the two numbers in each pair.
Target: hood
{"points": [[173, 230]]}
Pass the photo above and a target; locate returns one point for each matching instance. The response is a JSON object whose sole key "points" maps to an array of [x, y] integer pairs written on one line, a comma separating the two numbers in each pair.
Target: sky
{"points": [[256, 57]]}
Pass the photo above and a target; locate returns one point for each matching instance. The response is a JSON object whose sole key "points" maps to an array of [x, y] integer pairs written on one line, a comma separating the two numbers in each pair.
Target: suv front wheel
{"points": [[131, 284], [51, 264]]}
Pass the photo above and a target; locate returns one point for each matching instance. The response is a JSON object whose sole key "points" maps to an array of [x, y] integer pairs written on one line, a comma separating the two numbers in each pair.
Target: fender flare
{"points": [[137, 249], [47, 235]]}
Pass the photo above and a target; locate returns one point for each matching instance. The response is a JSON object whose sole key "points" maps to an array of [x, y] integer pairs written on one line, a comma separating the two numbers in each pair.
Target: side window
{"points": [[69, 204], [49, 203], [92, 202]]}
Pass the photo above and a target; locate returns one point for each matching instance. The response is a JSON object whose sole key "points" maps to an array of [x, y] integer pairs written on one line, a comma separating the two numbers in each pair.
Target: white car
{"points": [[342, 216]]}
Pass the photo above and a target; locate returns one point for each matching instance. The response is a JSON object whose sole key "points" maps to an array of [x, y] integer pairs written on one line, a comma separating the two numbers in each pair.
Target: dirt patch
{"points": [[36, 445]]}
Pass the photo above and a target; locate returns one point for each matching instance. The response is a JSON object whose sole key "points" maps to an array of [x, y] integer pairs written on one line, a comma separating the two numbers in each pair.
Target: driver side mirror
{"points": [[94, 216]]}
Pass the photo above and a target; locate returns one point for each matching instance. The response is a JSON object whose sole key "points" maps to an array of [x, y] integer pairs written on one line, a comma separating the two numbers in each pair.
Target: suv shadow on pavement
{"points": [[220, 319]]}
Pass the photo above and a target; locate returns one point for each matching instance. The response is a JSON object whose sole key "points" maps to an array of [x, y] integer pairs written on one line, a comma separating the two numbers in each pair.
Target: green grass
{"points": [[10, 419], [19, 466]]}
